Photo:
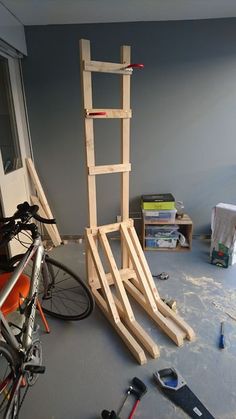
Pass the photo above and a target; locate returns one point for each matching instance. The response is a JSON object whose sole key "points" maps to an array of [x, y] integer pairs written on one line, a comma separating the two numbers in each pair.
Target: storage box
{"points": [[168, 231], [160, 216], [160, 242], [158, 201]]}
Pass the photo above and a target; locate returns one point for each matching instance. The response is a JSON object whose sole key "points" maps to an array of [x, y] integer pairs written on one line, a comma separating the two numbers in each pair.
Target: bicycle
{"points": [[49, 285]]}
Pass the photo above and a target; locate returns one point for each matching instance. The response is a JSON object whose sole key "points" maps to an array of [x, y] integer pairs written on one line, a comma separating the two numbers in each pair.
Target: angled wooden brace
{"points": [[108, 306], [123, 303], [145, 296]]}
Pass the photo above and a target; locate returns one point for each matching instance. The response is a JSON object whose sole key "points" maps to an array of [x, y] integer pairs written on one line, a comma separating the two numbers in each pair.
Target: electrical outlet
{"points": [[118, 218]]}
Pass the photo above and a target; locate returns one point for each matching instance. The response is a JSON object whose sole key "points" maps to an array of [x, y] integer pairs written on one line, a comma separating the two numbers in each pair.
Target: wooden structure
{"points": [[111, 289], [41, 201]]}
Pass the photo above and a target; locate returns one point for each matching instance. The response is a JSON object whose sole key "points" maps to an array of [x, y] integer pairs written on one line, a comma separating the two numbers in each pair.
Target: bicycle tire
{"points": [[8, 369], [79, 295], [80, 292]]}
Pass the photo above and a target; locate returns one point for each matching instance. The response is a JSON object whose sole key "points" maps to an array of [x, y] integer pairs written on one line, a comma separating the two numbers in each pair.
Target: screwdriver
{"points": [[222, 337]]}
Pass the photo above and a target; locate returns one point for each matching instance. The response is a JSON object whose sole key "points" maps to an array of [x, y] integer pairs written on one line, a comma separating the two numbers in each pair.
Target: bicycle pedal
{"points": [[35, 369]]}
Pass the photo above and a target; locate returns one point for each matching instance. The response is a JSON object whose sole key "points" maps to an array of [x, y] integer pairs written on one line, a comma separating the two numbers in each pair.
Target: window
{"points": [[9, 141]]}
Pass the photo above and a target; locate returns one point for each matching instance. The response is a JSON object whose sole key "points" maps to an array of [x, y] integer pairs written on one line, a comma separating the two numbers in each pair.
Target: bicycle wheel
{"points": [[8, 370], [68, 297]]}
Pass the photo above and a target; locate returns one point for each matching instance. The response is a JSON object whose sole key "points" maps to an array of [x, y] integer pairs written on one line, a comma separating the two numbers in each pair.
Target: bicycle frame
{"points": [[37, 249]]}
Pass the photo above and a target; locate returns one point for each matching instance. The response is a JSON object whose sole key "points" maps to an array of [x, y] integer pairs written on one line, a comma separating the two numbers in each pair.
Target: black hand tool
{"points": [[176, 389], [106, 414], [129, 391], [138, 391]]}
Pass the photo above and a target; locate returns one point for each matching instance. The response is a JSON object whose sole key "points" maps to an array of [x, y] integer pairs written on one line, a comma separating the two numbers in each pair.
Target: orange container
{"points": [[19, 291]]}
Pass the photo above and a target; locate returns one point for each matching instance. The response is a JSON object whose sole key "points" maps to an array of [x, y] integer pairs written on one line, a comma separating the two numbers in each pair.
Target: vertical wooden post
{"points": [[86, 86], [125, 147]]}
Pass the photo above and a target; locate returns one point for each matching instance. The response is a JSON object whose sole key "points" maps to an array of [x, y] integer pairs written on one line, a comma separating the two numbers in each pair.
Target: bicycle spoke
{"points": [[68, 289], [69, 299], [63, 280], [53, 303]]}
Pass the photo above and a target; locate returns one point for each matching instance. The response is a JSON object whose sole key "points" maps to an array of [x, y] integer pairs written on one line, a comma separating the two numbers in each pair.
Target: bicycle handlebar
{"points": [[22, 215], [24, 212]]}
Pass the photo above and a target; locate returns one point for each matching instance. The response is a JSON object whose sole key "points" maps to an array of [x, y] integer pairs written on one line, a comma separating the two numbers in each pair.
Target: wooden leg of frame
{"points": [[116, 277], [90, 268], [167, 325], [166, 311], [162, 307], [143, 262], [139, 332], [125, 335], [103, 280], [138, 268]]}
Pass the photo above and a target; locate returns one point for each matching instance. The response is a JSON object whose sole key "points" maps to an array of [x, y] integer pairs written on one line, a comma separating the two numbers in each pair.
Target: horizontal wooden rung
{"points": [[125, 274], [108, 113], [110, 228], [113, 168], [104, 67]]}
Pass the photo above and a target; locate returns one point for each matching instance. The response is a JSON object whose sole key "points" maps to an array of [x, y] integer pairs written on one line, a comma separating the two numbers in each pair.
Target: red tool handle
{"points": [[134, 409], [96, 113], [135, 66]]}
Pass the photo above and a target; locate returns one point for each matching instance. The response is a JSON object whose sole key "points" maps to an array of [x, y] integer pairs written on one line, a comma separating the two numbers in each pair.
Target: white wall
{"points": [[12, 31]]}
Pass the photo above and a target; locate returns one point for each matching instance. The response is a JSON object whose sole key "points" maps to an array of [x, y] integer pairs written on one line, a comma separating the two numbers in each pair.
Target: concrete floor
{"points": [[88, 368]]}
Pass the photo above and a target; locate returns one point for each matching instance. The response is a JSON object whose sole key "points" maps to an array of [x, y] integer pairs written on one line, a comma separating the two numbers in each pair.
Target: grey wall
{"points": [[183, 127]]}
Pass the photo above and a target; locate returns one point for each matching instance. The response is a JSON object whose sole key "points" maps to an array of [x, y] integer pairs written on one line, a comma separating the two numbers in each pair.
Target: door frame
{"points": [[21, 118]]}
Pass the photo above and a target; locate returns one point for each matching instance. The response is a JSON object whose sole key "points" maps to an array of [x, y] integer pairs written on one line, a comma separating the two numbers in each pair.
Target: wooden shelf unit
{"points": [[186, 228]]}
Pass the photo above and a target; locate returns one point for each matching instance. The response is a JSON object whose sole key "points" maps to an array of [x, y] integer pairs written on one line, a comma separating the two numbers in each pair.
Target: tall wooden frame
{"points": [[111, 289]]}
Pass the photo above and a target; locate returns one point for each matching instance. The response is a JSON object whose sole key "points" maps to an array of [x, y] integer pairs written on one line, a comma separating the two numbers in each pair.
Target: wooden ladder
{"points": [[111, 289]]}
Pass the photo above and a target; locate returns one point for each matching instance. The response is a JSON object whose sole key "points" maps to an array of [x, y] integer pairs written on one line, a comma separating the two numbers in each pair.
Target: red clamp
{"points": [[96, 113], [135, 66]]}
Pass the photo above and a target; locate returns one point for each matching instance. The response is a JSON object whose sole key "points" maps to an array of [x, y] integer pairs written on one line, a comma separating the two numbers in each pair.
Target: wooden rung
{"points": [[125, 335], [108, 113], [114, 168], [105, 67], [126, 273], [110, 228], [106, 228]]}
